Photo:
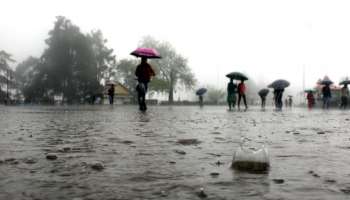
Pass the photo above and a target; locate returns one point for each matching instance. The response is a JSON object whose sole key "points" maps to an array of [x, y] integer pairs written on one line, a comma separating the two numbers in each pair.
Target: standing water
{"points": [[103, 152]]}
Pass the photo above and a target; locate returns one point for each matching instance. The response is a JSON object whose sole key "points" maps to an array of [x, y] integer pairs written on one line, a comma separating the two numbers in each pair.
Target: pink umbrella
{"points": [[146, 53]]}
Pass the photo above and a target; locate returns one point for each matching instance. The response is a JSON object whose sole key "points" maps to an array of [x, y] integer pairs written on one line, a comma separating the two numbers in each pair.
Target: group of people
{"points": [[232, 91], [327, 96]]}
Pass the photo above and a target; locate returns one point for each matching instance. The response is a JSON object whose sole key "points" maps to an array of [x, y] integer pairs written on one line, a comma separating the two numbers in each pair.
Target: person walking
{"points": [[143, 72], [278, 95], [344, 96], [111, 94], [241, 94], [231, 94], [310, 99], [327, 95]]}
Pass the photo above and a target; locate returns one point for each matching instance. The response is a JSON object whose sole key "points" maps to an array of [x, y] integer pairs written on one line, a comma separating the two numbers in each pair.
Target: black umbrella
{"points": [[326, 82], [344, 82], [309, 90], [201, 91], [237, 76], [263, 92], [279, 84]]}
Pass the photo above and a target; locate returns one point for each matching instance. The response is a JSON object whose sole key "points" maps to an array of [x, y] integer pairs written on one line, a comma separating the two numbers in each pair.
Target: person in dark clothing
{"points": [[241, 94], [278, 95], [263, 100], [144, 72], [327, 95], [310, 100], [111, 94], [231, 94], [200, 100], [344, 96]]}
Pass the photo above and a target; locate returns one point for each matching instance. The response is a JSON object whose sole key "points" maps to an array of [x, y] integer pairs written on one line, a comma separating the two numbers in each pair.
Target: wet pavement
{"points": [[117, 152]]}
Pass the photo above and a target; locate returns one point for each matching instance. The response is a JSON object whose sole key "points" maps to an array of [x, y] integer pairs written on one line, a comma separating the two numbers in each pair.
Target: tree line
{"points": [[75, 66]]}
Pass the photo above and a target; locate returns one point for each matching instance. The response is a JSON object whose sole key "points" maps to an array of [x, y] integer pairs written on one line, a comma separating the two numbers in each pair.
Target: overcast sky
{"points": [[266, 39]]}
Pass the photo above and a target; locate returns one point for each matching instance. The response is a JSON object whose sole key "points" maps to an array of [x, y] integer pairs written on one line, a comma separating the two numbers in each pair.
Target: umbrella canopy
{"points": [[263, 92], [201, 91], [279, 84], [146, 53], [309, 90], [237, 76], [326, 82], [344, 82]]}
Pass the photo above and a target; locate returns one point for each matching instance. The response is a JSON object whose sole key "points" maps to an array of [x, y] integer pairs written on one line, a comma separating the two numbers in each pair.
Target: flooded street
{"points": [[118, 152]]}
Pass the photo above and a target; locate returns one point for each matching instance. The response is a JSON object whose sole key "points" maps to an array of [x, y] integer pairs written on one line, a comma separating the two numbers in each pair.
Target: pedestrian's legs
{"points": [[245, 101], [345, 102], [239, 100]]}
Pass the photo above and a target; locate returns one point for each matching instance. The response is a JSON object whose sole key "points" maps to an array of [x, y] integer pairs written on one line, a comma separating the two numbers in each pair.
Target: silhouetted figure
{"points": [[327, 95], [286, 103], [263, 101], [231, 94], [241, 94], [290, 101], [200, 100], [310, 100], [278, 95], [111, 94], [344, 96], [144, 72]]}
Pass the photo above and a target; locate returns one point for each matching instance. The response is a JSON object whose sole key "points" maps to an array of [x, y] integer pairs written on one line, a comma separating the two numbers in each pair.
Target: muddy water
{"points": [[144, 156]]}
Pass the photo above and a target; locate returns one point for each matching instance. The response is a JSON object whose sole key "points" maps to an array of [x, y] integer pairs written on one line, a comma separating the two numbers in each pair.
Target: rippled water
{"points": [[310, 151]]}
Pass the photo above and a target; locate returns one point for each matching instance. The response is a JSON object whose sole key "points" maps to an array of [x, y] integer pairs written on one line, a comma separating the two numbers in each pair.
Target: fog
{"points": [[265, 39]]}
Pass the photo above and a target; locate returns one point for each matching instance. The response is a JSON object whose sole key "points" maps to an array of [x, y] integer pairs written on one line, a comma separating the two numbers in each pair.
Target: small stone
{"points": [[127, 142], [278, 181], [330, 181], [172, 162], [346, 190], [180, 152], [51, 156], [97, 166], [321, 132], [30, 136], [188, 141], [10, 159], [214, 174], [296, 133]]}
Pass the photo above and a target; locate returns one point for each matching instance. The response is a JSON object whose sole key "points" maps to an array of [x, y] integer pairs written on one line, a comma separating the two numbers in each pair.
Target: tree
{"points": [[6, 73], [73, 65], [27, 75], [126, 74], [171, 70]]}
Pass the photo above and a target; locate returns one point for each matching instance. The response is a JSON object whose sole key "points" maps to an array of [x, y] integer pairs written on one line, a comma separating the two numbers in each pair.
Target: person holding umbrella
{"points": [[278, 87], [144, 73], [263, 93], [111, 94], [200, 92], [310, 99], [326, 92], [241, 94], [344, 94], [231, 94], [241, 86]]}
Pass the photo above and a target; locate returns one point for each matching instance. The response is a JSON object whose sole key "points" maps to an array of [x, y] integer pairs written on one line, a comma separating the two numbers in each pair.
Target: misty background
{"points": [[267, 40]]}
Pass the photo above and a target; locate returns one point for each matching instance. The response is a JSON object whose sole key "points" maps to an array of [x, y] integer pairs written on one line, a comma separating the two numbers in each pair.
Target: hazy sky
{"points": [[266, 39]]}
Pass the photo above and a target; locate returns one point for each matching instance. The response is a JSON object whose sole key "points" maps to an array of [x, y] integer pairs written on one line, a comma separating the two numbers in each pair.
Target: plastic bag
{"points": [[251, 159]]}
